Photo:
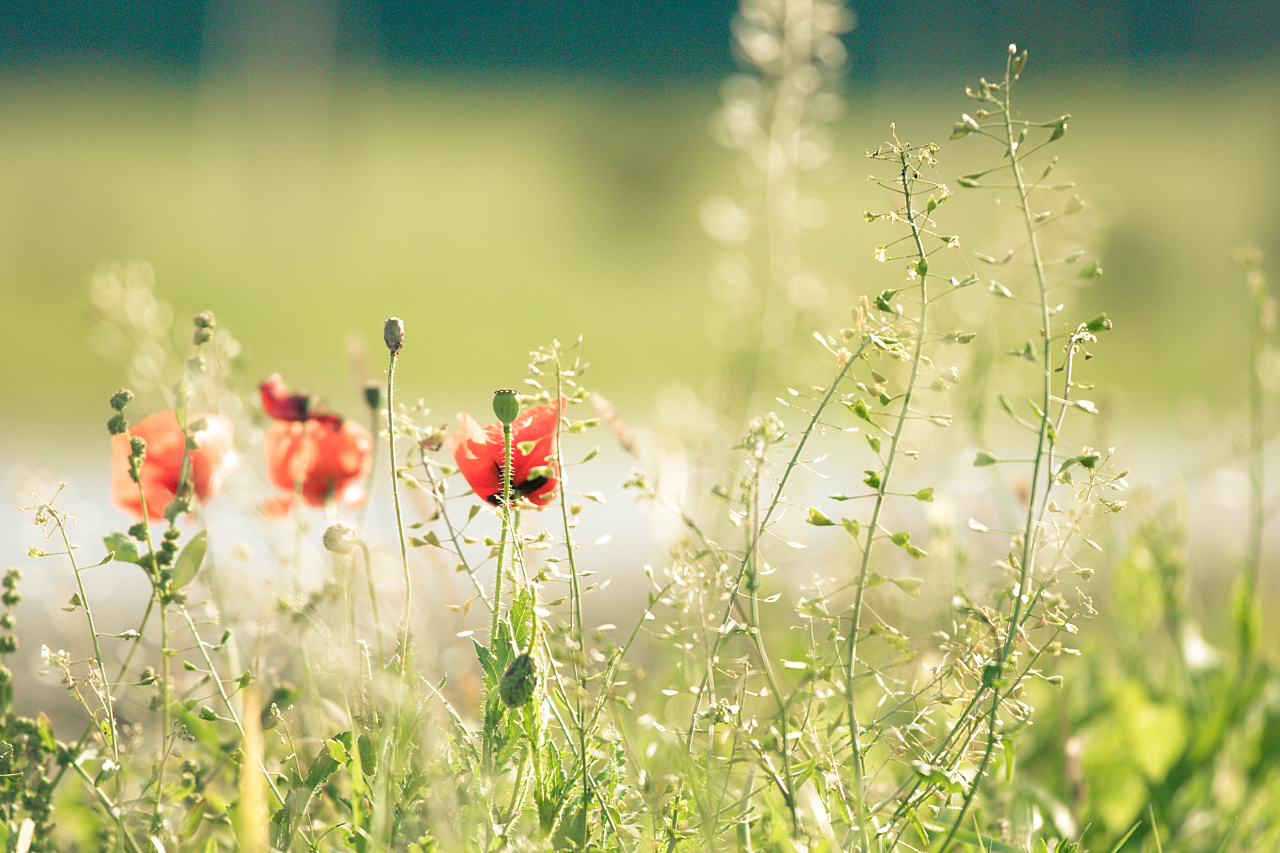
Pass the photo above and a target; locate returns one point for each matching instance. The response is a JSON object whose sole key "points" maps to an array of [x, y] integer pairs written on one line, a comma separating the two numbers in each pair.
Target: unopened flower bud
{"points": [[121, 398], [506, 405], [340, 538], [373, 394], [518, 682], [393, 334]]}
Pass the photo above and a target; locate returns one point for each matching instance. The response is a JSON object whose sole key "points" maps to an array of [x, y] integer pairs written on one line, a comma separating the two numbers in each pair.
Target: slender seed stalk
{"points": [[576, 630], [1042, 463], [222, 693], [873, 527]]}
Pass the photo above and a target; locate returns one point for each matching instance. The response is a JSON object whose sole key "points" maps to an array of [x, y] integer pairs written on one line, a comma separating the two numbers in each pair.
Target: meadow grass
{"points": [[845, 647]]}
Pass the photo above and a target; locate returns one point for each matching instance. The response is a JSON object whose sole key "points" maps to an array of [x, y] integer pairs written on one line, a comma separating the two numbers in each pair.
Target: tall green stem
{"points": [[506, 532], [873, 528], [395, 494]]}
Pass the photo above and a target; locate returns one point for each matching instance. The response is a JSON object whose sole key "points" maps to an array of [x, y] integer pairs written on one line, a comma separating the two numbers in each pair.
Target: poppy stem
{"points": [[506, 528], [395, 494]]}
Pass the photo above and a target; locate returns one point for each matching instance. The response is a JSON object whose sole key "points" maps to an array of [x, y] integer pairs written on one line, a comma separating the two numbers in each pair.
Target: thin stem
{"points": [[873, 528], [754, 544], [576, 629], [373, 601], [506, 531], [222, 693], [395, 493], [1042, 464]]}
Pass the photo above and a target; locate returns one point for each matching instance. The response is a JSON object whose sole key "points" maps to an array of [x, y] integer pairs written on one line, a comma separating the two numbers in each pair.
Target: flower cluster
{"points": [[320, 456]]}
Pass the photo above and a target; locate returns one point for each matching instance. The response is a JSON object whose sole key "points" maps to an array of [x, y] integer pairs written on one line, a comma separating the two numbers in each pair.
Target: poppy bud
{"points": [[340, 538], [518, 682], [373, 394], [506, 406], [393, 334]]}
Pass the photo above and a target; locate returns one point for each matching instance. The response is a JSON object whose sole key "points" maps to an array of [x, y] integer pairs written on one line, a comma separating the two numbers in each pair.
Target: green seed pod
{"points": [[393, 334], [518, 682], [506, 406]]}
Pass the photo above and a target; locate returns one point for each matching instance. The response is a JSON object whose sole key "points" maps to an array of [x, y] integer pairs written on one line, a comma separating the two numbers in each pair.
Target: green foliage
{"points": [[798, 678]]}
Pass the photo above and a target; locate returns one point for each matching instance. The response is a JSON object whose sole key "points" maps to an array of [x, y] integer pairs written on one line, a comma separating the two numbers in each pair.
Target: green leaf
{"points": [[852, 525], [189, 560], [985, 458], [121, 547], [874, 442], [925, 494], [859, 408], [817, 519], [872, 479], [1091, 271], [1101, 323], [44, 729]]}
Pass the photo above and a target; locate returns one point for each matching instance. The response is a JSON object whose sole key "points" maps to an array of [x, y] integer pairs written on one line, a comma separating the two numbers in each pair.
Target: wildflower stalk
{"points": [[506, 531], [393, 336], [124, 838], [873, 527], [437, 492], [576, 630], [108, 701], [222, 694], [752, 546], [1042, 462]]}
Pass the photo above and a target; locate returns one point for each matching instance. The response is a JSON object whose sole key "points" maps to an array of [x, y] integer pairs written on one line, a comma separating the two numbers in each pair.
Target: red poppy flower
{"points": [[480, 455], [210, 462], [326, 455]]}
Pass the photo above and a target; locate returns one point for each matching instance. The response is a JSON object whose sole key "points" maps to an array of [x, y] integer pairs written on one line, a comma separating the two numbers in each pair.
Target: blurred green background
{"points": [[501, 174], [498, 174]]}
